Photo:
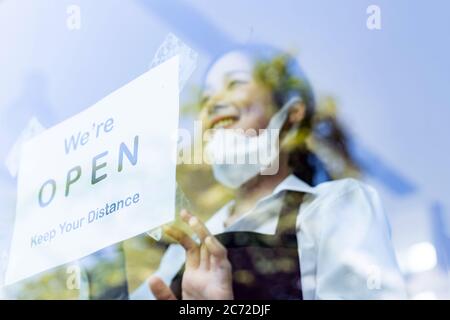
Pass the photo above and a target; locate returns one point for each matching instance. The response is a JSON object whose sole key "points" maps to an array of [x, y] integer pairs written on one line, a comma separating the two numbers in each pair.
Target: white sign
{"points": [[100, 177]]}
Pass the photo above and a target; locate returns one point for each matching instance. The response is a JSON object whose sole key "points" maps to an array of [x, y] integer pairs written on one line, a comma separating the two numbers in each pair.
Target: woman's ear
{"points": [[297, 113], [293, 137]]}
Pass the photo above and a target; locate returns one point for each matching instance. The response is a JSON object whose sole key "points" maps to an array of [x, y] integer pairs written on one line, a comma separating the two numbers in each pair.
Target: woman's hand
{"points": [[207, 273]]}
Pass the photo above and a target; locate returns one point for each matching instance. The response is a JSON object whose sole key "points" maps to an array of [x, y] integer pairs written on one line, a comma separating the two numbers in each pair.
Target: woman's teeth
{"points": [[223, 123]]}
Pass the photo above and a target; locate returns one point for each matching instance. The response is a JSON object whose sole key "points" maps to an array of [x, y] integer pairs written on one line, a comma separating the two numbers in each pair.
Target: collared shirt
{"points": [[343, 235]]}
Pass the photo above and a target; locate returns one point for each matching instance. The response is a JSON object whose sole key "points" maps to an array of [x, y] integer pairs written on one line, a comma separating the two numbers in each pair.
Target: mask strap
{"points": [[280, 116]]}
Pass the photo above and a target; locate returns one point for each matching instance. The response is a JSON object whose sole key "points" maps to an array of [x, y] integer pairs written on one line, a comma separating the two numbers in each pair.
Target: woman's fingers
{"points": [[204, 257], [209, 245], [181, 237], [196, 225], [192, 249], [160, 290], [215, 247], [202, 232], [185, 215]]}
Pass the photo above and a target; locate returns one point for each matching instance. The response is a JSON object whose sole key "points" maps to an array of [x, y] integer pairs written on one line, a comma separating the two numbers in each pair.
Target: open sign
{"points": [[98, 178], [48, 189]]}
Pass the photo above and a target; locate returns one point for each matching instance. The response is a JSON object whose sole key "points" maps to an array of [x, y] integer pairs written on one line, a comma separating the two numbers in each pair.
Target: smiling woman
{"points": [[282, 236]]}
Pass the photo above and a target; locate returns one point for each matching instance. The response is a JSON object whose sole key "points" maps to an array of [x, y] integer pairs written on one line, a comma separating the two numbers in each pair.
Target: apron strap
{"points": [[287, 219]]}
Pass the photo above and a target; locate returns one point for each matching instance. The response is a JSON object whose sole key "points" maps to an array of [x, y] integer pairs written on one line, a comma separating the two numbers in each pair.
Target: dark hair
{"points": [[320, 128], [283, 76]]}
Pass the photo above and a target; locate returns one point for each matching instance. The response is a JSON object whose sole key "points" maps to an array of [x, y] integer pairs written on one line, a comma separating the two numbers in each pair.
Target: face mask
{"points": [[236, 158]]}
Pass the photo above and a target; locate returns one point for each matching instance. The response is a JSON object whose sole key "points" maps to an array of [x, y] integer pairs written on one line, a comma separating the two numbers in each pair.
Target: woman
{"points": [[280, 238]]}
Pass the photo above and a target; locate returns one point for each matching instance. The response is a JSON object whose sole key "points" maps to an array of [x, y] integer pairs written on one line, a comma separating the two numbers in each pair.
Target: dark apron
{"points": [[264, 267]]}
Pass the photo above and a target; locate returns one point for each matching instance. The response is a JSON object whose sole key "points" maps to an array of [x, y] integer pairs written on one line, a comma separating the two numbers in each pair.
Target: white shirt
{"points": [[343, 237]]}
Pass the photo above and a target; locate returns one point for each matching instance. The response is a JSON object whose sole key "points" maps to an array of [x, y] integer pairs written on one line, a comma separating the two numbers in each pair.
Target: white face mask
{"points": [[236, 158]]}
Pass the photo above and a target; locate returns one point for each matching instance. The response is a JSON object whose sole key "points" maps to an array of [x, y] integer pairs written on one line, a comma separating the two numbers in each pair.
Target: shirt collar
{"points": [[293, 183]]}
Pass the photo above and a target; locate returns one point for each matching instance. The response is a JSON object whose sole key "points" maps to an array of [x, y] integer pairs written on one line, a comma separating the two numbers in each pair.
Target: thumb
{"points": [[160, 289]]}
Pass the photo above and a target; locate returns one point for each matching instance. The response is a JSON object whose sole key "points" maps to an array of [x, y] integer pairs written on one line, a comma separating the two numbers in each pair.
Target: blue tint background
{"points": [[392, 85]]}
